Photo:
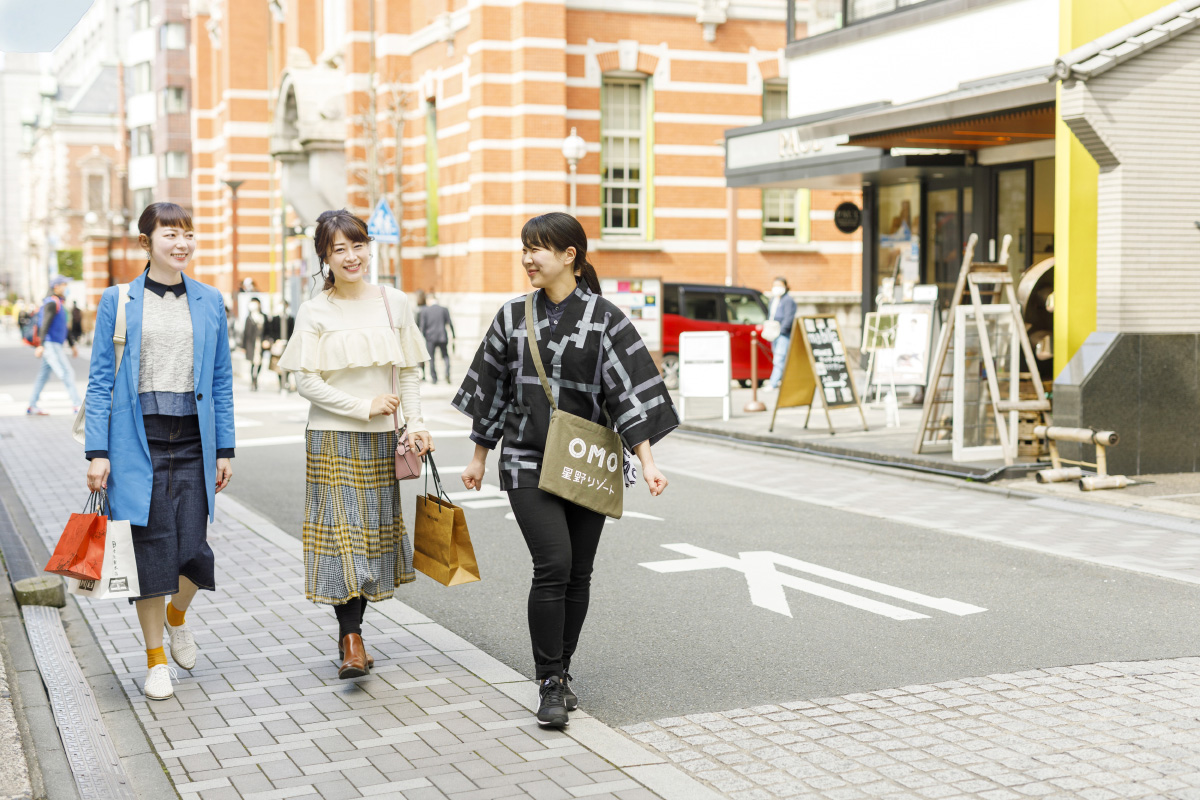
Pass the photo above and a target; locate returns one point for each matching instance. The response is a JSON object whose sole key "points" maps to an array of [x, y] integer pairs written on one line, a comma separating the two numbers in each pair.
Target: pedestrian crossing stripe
{"points": [[766, 583]]}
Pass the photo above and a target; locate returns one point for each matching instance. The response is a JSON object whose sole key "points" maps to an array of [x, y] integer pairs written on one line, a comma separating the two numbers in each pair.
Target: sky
{"points": [[27, 27]]}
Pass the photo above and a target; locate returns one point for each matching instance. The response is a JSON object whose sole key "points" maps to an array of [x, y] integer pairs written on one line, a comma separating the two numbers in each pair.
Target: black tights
{"points": [[562, 539], [350, 616]]}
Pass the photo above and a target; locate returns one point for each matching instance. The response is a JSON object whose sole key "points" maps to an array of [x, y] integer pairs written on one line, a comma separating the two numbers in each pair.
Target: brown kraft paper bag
{"points": [[441, 543]]}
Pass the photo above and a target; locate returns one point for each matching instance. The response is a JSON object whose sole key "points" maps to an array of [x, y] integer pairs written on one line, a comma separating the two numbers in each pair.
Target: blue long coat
{"points": [[123, 434]]}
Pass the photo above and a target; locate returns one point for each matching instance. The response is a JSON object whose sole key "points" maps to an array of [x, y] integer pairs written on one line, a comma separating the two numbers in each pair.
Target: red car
{"points": [[707, 307]]}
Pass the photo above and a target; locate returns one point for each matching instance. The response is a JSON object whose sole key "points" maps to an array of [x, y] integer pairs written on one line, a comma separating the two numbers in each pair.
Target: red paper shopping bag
{"points": [[80, 550]]}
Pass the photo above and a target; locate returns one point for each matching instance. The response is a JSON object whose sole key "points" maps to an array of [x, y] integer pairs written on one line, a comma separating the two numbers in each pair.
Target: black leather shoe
{"points": [[552, 713], [572, 702]]}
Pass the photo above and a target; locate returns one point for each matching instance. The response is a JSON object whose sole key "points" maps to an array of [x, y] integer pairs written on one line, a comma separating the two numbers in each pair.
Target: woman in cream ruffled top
{"points": [[343, 351], [348, 342]]}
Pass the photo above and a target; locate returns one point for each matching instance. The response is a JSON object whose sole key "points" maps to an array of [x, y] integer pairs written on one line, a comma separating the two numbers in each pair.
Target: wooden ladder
{"points": [[976, 280]]}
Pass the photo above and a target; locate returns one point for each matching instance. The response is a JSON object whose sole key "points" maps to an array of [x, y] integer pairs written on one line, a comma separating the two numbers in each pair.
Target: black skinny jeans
{"points": [[562, 539]]}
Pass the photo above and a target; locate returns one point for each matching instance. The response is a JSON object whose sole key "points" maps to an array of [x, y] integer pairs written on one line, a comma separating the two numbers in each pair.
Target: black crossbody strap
{"points": [[531, 335]]}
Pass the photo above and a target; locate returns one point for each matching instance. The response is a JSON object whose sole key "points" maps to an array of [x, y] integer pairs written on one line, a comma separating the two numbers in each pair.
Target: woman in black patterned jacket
{"points": [[599, 369]]}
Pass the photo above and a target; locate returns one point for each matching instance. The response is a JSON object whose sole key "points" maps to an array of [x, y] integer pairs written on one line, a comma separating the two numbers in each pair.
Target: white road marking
{"points": [[627, 515], [500, 502], [766, 584], [243, 422]]}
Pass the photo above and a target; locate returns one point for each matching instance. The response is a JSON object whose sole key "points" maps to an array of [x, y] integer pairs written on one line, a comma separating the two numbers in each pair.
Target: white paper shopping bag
{"points": [[118, 576]]}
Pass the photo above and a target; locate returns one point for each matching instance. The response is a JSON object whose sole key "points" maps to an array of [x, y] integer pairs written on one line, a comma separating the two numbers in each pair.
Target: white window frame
{"points": [[774, 88], [143, 78], [102, 208], [141, 15], [176, 42], [773, 199], [168, 107], [632, 141], [147, 195], [139, 135], [175, 164]]}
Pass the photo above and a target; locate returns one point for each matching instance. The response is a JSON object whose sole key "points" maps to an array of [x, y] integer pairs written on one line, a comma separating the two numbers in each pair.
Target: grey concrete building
{"points": [[20, 74]]}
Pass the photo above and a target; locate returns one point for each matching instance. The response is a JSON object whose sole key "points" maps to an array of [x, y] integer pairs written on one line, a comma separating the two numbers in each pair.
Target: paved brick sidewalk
{"points": [[1091, 732], [264, 716]]}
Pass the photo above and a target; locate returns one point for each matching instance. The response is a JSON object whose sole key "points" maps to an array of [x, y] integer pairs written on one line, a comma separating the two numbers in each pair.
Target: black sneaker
{"points": [[569, 696], [552, 713]]}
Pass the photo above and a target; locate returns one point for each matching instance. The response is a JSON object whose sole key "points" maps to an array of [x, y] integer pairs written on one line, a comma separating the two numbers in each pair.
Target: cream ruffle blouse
{"points": [[342, 352]]}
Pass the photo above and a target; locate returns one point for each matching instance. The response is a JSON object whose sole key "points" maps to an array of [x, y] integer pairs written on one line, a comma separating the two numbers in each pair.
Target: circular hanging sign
{"points": [[847, 217]]}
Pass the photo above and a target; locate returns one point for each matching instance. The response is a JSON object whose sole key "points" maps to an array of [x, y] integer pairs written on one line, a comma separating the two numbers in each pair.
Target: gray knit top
{"points": [[165, 380]]}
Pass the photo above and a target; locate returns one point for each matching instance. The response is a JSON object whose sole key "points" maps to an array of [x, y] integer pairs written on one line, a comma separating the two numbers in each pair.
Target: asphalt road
{"points": [[661, 643]]}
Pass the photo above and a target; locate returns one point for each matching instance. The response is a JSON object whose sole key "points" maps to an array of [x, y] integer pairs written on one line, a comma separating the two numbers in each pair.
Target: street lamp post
{"points": [[574, 148], [233, 187]]}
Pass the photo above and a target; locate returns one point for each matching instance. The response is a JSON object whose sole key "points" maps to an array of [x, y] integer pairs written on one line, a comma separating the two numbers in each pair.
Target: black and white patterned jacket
{"points": [[595, 361]]}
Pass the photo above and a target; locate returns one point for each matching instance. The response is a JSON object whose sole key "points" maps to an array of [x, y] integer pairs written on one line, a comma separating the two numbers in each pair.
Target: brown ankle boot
{"points": [[370, 658], [355, 655]]}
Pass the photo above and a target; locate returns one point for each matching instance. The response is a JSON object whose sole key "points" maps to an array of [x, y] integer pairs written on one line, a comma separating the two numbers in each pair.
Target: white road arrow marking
{"points": [[766, 583]]}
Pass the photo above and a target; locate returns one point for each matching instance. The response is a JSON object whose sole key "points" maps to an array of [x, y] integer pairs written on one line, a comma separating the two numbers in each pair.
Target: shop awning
{"points": [[993, 130]]}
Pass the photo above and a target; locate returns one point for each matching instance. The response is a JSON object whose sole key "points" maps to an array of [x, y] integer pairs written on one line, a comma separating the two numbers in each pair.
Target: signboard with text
{"points": [[641, 300]]}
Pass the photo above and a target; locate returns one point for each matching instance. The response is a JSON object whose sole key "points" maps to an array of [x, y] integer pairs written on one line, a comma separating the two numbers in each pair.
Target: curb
{"points": [[653, 771], [147, 776]]}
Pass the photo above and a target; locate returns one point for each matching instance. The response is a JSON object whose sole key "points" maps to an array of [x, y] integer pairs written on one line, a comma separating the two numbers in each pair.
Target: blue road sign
{"points": [[383, 225]]}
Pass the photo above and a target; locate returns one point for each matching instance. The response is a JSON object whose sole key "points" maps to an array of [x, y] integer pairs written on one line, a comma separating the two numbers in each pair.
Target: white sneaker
{"points": [[158, 682], [183, 645]]}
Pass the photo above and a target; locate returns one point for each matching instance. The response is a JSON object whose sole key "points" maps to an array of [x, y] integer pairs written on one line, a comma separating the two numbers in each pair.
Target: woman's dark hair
{"points": [[421, 297], [329, 224], [783, 280], [557, 231], [164, 215]]}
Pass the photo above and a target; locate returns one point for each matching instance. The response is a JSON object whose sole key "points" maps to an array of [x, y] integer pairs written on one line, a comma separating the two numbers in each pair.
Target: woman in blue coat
{"points": [[160, 430]]}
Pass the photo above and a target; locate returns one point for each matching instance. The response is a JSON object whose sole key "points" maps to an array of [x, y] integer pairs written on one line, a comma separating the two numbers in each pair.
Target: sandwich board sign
{"points": [[816, 368]]}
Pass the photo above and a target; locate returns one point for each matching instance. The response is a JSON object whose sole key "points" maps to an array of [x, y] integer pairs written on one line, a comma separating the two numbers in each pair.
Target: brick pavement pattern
{"points": [[1096, 732], [263, 715]]}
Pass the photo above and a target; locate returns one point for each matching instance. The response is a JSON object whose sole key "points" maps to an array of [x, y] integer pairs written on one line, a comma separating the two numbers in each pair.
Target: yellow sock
{"points": [[174, 615], [155, 657]]}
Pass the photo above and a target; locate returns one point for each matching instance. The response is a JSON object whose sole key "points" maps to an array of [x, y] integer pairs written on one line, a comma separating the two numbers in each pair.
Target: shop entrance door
{"points": [[1014, 216], [949, 215]]}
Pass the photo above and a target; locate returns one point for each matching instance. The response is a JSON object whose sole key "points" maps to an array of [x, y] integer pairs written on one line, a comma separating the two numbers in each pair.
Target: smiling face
{"points": [[547, 268], [169, 247], [348, 260]]}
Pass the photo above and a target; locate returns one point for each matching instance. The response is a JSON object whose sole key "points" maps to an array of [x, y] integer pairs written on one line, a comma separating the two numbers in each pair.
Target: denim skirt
{"points": [[175, 540]]}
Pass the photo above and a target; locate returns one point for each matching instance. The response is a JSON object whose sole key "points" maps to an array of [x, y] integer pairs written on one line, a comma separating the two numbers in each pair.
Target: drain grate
{"points": [[90, 751]]}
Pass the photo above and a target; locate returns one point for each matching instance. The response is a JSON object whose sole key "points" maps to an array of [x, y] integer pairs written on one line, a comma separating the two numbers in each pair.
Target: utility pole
{"points": [[399, 101], [372, 115], [233, 207]]}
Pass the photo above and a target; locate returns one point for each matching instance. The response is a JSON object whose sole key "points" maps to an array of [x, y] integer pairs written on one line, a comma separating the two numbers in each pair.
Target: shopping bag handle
{"points": [[97, 503], [437, 479]]}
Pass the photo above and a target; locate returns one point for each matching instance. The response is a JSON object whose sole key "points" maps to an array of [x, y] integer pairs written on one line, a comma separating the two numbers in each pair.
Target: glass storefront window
{"points": [[899, 245], [830, 15], [1043, 210], [1012, 203]]}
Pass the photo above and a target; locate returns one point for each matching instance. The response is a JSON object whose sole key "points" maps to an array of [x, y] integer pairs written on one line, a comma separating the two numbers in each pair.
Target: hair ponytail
{"points": [[588, 273], [558, 231]]}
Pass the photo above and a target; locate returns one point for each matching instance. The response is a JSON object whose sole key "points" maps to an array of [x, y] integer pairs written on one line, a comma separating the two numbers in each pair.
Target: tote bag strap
{"points": [[531, 335], [392, 325]]}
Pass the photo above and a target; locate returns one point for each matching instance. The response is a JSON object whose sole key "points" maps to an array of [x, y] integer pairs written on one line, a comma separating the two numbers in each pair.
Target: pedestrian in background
{"points": [[783, 311], [419, 297], [348, 340], [178, 401], [599, 369], [76, 334], [434, 320], [254, 340], [279, 331], [54, 331]]}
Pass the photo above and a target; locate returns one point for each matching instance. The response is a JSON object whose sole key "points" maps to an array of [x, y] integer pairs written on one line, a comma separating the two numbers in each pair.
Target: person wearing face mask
{"points": [[161, 425], [356, 353], [598, 368], [783, 311]]}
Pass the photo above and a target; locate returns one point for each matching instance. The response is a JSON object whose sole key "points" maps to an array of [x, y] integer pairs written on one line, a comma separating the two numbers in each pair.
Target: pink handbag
{"points": [[408, 463]]}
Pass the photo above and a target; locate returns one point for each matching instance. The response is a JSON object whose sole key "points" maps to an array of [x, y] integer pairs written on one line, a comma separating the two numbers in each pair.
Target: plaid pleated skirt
{"points": [[355, 542]]}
